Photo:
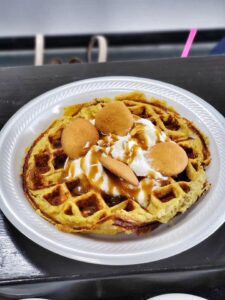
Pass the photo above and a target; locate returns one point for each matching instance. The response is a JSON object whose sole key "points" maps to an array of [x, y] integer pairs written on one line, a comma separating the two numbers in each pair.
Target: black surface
{"points": [[22, 261], [122, 39]]}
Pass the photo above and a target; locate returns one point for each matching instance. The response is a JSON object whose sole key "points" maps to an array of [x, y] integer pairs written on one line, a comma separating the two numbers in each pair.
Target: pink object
{"points": [[189, 42]]}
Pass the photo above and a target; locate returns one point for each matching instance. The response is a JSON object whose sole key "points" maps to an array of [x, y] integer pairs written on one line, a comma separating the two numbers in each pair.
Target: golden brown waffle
{"points": [[77, 206]]}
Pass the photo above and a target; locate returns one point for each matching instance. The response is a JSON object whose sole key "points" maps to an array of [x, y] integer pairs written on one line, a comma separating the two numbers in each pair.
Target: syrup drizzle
{"points": [[96, 178]]}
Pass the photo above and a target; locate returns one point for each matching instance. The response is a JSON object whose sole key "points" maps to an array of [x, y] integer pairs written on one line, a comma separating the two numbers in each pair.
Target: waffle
{"points": [[75, 205]]}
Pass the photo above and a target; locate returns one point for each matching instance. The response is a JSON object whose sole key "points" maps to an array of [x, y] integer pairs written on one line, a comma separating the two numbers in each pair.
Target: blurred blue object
{"points": [[219, 48]]}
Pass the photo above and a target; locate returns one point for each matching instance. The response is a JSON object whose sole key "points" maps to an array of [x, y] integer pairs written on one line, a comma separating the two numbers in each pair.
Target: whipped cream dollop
{"points": [[131, 149]]}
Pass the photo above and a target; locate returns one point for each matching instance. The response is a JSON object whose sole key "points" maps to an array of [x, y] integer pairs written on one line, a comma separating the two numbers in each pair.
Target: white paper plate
{"points": [[183, 233], [176, 297]]}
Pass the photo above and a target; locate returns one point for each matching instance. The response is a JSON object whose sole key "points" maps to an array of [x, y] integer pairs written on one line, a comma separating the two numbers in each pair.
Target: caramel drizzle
{"points": [[140, 136], [112, 180]]}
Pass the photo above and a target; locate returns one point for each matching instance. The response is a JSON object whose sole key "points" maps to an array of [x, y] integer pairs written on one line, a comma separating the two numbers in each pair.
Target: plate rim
{"points": [[32, 102]]}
